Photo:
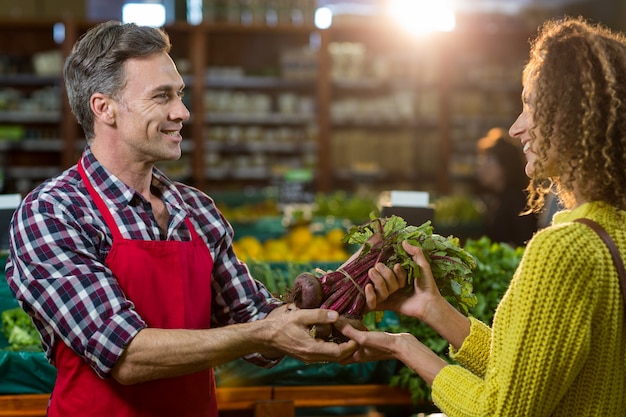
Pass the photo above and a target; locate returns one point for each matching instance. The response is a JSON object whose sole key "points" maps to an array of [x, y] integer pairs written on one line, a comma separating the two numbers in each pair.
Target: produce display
{"points": [[19, 330], [473, 277], [354, 208], [458, 209], [299, 244], [249, 211]]}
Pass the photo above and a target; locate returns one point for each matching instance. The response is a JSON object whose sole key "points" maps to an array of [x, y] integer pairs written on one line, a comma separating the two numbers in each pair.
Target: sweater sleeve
{"points": [[540, 337], [474, 352]]}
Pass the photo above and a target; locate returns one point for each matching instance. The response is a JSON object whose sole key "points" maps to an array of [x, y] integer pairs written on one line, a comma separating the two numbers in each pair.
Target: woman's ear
{"points": [[103, 108]]}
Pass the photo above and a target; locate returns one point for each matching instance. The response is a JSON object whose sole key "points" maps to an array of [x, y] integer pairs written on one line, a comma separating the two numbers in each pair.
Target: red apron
{"points": [[169, 283]]}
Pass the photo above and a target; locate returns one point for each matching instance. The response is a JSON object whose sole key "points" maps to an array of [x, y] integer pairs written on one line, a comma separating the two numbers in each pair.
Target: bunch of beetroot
{"points": [[343, 290]]}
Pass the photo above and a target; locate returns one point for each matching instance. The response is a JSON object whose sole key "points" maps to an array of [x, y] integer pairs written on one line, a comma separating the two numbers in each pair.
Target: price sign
{"points": [[296, 187]]}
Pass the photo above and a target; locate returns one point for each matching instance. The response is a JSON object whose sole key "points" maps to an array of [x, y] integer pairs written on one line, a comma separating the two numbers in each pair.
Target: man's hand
{"points": [[291, 335]]}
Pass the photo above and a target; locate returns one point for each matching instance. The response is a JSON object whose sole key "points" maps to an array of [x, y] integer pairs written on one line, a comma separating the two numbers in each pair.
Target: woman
{"points": [[557, 345], [502, 181]]}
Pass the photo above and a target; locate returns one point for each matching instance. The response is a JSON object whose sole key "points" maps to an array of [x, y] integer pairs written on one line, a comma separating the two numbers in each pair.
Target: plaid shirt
{"points": [[59, 242]]}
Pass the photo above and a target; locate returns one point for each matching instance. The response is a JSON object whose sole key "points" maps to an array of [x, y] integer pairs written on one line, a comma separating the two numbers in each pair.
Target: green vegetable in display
{"points": [[355, 208], [458, 209], [19, 330], [342, 290]]}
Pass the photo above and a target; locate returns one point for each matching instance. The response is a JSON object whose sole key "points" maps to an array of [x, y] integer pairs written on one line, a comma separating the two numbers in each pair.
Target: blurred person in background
{"points": [[501, 185], [557, 345]]}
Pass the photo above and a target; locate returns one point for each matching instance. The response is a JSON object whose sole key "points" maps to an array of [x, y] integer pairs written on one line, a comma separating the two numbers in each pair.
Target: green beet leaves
{"points": [[451, 265]]}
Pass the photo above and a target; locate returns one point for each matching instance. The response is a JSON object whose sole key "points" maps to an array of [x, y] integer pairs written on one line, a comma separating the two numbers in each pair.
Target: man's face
{"points": [[150, 112]]}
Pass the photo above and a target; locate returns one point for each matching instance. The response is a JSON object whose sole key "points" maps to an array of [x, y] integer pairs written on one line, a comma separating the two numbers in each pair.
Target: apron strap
{"points": [[104, 211], [192, 230]]}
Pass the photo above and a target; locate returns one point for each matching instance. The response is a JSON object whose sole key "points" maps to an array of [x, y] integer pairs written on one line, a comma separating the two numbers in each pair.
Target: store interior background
{"points": [[288, 107], [300, 131]]}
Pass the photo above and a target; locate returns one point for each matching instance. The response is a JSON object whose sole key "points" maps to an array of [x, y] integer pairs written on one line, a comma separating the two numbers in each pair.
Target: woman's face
{"points": [[521, 129]]}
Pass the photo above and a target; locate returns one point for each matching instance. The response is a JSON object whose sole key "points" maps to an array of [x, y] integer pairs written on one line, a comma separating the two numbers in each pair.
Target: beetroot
{"points": [[306, 291]]}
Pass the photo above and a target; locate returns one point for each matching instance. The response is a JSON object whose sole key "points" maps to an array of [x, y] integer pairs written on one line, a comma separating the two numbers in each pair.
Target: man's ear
{"points": [[103, 108]]}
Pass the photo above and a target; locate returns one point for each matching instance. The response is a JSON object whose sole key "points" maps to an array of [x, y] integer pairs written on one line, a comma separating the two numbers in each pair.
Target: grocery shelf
{"points": [[29, 80], [266, 119], [402, 96], [259, 82], [33, 173], [30, 116]]}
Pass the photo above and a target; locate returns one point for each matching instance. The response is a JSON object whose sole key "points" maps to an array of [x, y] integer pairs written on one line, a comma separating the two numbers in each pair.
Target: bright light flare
{"points": [[323, 18], [144, 14], [423, 16]]}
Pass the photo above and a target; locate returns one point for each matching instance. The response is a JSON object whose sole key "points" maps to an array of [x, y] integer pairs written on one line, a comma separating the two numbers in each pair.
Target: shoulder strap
{"points": [[617, 259]]}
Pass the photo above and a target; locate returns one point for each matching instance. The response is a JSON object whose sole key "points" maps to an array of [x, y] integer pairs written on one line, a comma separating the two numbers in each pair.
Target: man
{"points": [[131, 278]]}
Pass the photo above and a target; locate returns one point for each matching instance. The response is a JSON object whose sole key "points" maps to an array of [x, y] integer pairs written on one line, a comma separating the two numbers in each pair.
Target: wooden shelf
{"points": [[274, 400]]}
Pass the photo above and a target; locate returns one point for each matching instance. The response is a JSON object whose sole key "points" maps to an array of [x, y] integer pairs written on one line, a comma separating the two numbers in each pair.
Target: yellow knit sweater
{"points": [[557, 346]]}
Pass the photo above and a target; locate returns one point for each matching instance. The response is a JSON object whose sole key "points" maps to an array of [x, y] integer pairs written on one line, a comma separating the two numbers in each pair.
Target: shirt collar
{"points": [[117, 194]]}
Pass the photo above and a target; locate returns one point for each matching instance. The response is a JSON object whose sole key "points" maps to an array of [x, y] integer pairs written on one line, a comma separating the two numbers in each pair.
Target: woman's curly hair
{"points": [[577, 71]]}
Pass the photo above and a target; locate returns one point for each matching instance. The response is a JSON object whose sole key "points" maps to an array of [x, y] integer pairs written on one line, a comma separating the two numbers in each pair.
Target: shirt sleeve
{"points": [[239, 297], [534, 354], [55, 274]]}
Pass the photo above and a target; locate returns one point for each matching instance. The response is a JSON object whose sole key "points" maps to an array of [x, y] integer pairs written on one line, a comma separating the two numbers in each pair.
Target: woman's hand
{"points": [[425, 302], [414, 303], [381, 285], [426, 293], [374, 345]]}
